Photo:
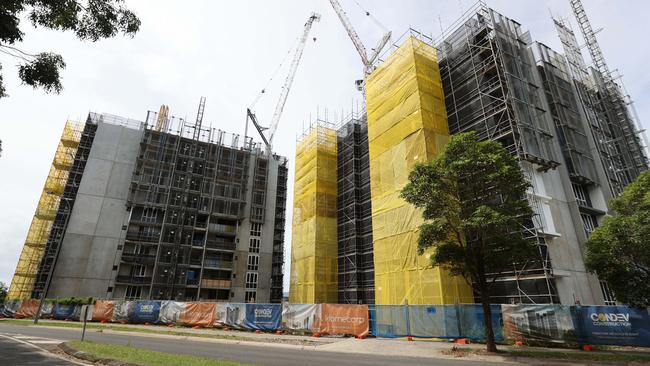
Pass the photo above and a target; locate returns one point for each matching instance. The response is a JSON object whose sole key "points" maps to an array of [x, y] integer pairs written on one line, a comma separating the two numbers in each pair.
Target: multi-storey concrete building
{"points": [[569, 126], [163, 209]]}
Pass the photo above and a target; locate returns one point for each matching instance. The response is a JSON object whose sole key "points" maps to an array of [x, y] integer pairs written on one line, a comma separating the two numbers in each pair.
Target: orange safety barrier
{"points": [[343, 319]]}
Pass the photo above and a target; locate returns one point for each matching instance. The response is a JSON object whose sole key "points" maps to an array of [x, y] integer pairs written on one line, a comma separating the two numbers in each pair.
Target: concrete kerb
{"points": [[90, 358]]}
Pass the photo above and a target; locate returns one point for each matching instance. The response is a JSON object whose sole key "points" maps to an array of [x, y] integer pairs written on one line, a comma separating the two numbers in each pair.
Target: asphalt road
{"points": [[256, 355], [16, 353]]}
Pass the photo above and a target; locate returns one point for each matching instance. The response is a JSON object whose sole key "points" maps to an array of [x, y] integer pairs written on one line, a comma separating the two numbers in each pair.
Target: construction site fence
{"points": [[530, 324]]}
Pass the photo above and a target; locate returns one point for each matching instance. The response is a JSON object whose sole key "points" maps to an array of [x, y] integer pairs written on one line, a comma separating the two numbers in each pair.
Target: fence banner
{"points": [[88, 311], [47, 311], [121, 311], [538, 323], [103, 311], [66, 312], [343, 319], [263, 316], [612, 325], [27, 309], [202, 314], [10, 307], [170, 311], [472, 323], [299, 316], [144, 311], [391, 321], [232, 315]]}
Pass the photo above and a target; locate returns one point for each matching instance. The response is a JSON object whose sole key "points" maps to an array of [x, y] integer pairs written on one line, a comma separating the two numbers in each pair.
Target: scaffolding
{"points": [[356, 276], [314, 239], [614, 125], [407, 124], [491, 86], [24, 279], [187, 198]]}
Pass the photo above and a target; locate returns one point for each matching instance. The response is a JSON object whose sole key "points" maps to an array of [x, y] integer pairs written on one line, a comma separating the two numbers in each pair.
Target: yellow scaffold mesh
{"points": [[407, 124], [314, 243], [22, 283]]}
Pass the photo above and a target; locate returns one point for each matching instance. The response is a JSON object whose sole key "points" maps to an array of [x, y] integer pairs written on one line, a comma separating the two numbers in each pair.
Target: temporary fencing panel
{"points": [[103, 311], [407, 124], [232, 315], [613, 325], [391, 321], [121, 311], [342, 319], [87, 311], [66, 312], [428, 321], [27, 309], [538, 323], [203, 314], [144, 311], [314, 253], [263, 316], [472, 321], [299, 317], [10, 307], [47, 311], [170, 311]]}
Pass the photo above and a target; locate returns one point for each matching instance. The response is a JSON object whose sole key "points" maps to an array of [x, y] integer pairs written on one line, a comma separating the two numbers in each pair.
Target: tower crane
{"points": [[367, 59], [275, 120]]}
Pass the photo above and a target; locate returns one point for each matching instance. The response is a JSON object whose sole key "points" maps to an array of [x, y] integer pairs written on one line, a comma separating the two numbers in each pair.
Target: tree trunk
{"points": [[491, 346]]}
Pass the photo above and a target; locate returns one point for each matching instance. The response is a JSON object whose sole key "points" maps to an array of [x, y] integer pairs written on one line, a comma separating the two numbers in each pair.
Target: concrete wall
{"points": [[90, 246]]}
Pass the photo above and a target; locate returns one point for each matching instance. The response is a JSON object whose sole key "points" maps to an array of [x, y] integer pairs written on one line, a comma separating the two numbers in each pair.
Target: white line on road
{"points": [[41, 350]]}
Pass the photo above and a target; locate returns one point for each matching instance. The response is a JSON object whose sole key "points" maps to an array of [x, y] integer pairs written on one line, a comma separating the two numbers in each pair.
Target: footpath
{"points": [[398, 347]]}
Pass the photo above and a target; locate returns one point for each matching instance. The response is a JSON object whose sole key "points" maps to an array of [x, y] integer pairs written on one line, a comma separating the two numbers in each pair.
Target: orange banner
{"points": [[28, 309], [343, 319], [103, 310], [203, 314]]}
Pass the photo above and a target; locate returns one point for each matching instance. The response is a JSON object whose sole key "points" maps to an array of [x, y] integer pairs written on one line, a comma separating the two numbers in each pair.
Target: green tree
{"points": [[619, 250], [90, 20], [473, 203], [3, 291]]}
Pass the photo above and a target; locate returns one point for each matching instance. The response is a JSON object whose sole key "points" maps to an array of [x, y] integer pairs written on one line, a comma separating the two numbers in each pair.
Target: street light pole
{"points": [[56, 256]]}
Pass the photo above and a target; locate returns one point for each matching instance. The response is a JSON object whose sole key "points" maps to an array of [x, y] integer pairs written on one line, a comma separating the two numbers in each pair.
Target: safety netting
{"points": [[314, 246], [407, 124]]}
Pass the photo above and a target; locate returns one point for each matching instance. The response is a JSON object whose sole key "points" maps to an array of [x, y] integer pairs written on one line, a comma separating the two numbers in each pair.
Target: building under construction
{"points": [[571, 128], [161, 209]]}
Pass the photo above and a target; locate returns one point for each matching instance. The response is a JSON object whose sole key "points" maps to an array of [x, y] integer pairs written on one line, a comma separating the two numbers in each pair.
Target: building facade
{"points": [[165, 209], [569, 126]]}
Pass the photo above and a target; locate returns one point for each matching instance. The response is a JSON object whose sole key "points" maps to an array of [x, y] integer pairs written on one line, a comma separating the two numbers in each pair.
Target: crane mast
{"points": [[275, 120], [314, 17], [366, 59]]}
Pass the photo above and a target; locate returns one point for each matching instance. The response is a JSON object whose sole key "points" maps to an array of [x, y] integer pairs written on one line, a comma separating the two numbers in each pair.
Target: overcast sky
{"points": [[227, 51]]}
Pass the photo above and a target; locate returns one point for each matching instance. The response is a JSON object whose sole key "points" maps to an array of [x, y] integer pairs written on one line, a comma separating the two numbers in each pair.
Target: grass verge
{"points": [[603, 356], [145, 357]]}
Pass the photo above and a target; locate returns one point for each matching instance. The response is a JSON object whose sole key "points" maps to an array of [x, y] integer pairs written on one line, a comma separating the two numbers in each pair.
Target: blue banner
{"points": [[63, 312], [263, 316], [613, 325], [146, 311]]}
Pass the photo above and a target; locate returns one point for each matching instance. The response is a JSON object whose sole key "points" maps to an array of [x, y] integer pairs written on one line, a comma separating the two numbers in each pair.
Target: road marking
{"points": [[40, 349], [46, 341]]}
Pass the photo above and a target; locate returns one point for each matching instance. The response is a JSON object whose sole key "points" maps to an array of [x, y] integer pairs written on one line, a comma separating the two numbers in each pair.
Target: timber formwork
{"points": [[492, 87], [356, 276], [48, 213], [188, 197]]}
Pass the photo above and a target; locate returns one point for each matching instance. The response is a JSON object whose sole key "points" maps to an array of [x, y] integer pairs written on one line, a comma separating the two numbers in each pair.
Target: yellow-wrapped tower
{"points": [[22, 284], [314, 242], [407, 124]]}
